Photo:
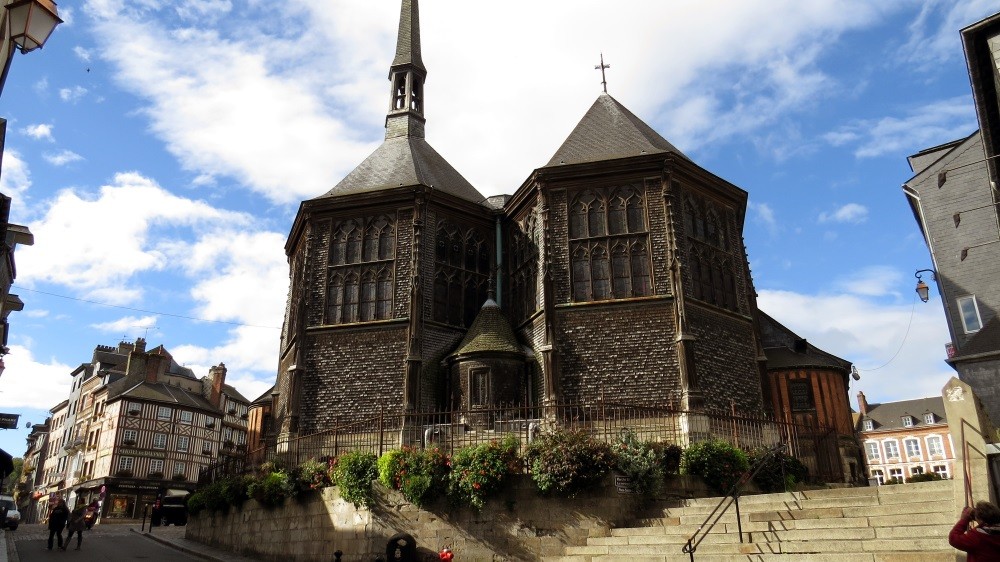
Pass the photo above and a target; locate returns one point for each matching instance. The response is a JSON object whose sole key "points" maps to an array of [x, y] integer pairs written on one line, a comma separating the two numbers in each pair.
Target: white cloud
{"points": [[41, 87], [62, 157], [72, 95], [29, 383], [289, 115], [849, 213], [126, 324], [929, 125], [926, 46], [130, 229], [41, 131], [763, 215], [15, 181], [873, 281], [35, 313], [887, 342], [82, 53]]}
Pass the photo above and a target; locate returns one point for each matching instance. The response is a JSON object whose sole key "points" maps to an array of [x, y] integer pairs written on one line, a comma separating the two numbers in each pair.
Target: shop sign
{"points": [[9, 421]]}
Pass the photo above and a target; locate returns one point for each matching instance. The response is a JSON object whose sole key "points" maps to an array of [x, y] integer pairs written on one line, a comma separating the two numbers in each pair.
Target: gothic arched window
{"points": [[462, 265], [367, 313], [335, 300], [604, 226], [360, 249], [351, 294], [383, 295]]}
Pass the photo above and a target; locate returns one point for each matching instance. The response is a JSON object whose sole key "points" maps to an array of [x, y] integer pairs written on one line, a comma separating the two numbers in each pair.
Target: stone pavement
{"points": [[174, 538]]}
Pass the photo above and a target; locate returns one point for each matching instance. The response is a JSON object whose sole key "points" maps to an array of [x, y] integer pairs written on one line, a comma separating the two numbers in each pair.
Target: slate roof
{"points": [[158, 392], [405, 162], [609, 131], [890, 414], [490, 333], [233, 393], [785, 349], [985, 341], [264, 398], [408, 39]]}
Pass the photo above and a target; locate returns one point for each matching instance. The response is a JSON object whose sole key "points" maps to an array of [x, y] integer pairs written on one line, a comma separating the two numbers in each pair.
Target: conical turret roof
{"points": [[490, 333], [609, 131]]}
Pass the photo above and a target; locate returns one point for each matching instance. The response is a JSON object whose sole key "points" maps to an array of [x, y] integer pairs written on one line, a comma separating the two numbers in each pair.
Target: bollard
{"points": [[337, 554]]}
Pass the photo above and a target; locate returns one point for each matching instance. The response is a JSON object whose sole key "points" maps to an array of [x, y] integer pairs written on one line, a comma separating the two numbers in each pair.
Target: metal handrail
{"points": [[732, 496]]}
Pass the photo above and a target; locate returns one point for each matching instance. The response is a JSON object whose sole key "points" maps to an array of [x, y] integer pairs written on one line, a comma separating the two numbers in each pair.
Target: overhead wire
{"points": [[909, 324]]}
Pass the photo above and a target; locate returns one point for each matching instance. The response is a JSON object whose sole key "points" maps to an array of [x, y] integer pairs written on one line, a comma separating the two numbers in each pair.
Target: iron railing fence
{"points": [[814, 445]]}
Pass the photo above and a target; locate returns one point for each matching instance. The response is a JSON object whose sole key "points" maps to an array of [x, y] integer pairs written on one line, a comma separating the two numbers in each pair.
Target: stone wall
{"points": [[518, 525]]}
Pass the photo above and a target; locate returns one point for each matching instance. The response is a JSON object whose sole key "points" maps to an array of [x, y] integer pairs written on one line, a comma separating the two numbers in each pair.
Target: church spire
{"points": [[407, 74]]}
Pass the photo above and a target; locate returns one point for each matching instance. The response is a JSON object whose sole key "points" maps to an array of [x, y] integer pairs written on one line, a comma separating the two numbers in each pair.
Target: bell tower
{"points": [[407, 75]]}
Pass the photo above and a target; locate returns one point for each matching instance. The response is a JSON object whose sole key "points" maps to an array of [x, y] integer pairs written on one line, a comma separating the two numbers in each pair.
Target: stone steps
{"points": [[904, 523]]}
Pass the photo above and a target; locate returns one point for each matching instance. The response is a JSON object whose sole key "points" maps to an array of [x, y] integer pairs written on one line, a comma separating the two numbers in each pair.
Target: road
{"points": [[103, 543]]}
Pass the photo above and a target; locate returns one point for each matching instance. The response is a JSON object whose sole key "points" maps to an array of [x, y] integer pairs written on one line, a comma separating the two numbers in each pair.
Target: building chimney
{"points": [[155, 365], [862, 404], [140, 344], [216, 378]]}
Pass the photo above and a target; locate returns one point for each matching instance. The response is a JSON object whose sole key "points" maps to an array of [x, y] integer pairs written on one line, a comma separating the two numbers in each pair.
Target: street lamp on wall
{"points": [[923, 291], [31, 22]]}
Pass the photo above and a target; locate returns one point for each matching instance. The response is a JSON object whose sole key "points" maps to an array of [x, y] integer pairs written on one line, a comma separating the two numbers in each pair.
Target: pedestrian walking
{"points": [[76, 525], [57, 521], [981, 542]]}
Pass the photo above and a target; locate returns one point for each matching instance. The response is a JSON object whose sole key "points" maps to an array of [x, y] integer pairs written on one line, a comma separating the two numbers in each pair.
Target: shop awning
{"points": [[6, 464]]}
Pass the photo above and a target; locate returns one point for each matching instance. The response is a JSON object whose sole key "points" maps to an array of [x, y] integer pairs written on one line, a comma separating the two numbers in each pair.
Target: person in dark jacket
{"points": [[982, 542], [57, 521], [76, 525]]}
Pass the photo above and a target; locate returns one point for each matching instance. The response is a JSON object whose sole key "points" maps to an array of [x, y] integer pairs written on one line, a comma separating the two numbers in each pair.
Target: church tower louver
{"points": [[621, 274]]}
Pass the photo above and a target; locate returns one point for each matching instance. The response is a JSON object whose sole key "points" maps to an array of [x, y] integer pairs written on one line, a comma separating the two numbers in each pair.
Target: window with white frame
{"points": [[891, 449], [935, 446], [969, 309], [896, 474], [186, 417], [183, 441], [129, 436], [907, 421], [206, 448], [160, 441], [163, 413], [126, 463], [928, 418], [916, 470], [941, 470], [156, 466], [869, 425], [872, 448], [912, 447], [879, 476], [180, 468]]}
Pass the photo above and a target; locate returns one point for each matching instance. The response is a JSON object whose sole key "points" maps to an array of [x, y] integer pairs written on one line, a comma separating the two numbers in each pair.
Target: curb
{"points": [[176, 546]]}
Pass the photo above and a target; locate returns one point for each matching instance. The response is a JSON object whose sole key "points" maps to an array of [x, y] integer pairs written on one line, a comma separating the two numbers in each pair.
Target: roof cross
{"points": [[601, 67]]}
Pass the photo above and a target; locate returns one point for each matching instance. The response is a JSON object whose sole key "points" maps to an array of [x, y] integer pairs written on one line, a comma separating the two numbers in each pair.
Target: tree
{"points": [[11, 482]]}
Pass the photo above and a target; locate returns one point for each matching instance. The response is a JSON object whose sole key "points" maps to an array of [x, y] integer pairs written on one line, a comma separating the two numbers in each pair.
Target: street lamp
{"points": [[923, 291], [31, 22]]}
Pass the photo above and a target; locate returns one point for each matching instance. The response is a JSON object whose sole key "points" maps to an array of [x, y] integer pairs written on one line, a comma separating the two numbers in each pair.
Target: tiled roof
{"points": [[264, 398], [405, 162], [233, 393], [889, 415], [408, 38], [490, 332], [785, 349], [985, 341], [609, 131]]}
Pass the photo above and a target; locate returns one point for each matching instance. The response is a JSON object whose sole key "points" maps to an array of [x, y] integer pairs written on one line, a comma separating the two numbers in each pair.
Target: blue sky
{"points": [[158, 150]]}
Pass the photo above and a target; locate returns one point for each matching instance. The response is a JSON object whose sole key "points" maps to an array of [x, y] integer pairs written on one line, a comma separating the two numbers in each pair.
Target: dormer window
{"points": [[868, 425], [928, 418], [907, 421]]}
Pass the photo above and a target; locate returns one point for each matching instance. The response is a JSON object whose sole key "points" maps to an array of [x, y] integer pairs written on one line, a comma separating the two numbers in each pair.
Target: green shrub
{"points": [[312, 475], [640, 462], [196, 503], [780, 472], [892, 481], [234, 490], [925, 477], [353, 473], [565, 462], [479, 471], [271, 489], [718, 463], [420, 474], [670, 456]]}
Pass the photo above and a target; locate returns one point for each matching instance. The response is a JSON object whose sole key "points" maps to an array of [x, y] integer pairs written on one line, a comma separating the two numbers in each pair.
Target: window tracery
{"points": [[523, 268], [608, 241], [359, 286], [461, 273]]}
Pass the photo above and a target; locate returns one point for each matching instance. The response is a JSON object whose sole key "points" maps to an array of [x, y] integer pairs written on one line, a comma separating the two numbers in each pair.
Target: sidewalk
{"points": [[174, 538], [4, 545]]}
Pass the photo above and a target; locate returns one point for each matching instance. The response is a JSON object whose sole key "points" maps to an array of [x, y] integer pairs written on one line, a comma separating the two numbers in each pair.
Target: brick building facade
{"points": [[906, 438], [619, 267]]}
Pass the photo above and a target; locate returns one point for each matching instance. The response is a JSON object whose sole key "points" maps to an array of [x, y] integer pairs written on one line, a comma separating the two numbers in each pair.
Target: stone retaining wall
{"points": [[517, 525]]}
